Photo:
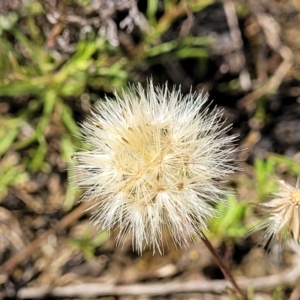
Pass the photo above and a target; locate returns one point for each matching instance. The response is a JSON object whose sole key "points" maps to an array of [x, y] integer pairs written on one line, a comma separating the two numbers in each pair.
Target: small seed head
{"points": [[295, 197], [156, 162], [281, 214]]}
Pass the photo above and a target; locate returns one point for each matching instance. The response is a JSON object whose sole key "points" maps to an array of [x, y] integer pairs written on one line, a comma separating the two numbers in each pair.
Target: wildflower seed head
{"points": [[295, 197], [157, 161], [282, 214]]}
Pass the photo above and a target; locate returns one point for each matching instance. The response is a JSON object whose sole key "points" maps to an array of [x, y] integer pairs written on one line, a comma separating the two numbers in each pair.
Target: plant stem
{"points": [[225, 270]]}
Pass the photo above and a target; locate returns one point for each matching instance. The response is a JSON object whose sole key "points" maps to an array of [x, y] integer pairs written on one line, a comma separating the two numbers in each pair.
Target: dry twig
{"points": [[12, 263], [264, 284], [235, 34], [271, 31]]}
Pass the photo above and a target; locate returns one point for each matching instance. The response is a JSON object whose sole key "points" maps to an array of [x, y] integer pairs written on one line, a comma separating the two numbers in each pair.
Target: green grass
{"points": [[50, 80]]}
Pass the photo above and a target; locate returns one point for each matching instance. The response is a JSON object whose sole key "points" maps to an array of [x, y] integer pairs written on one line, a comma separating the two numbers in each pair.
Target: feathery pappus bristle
{"points": [[281, 215], [157, 161]]}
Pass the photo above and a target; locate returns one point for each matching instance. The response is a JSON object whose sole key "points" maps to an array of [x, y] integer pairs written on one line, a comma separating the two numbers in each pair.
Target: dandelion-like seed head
{"points": [[295, 197], [282, 214], [156, 162]]}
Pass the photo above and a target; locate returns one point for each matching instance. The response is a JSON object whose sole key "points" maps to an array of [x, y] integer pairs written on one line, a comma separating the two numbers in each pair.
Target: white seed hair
{"points": [[157, 161], [281, 215]]}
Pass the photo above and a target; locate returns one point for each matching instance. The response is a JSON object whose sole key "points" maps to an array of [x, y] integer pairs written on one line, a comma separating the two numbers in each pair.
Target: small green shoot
{"points": [[88, 244], [265, 183], [11, 173], [231, 223]]}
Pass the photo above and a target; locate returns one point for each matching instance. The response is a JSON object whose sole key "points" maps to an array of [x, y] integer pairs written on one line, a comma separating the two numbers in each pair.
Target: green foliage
{"points": [[11, 173], [232, 221], [266, 169], [285, 163], [8, 21], [11, 125], [87, 244], [189, 47], [50, 80], [67, 148], [264, 175], [232, 85], [278, 293], [230, 224], [151, 11]]}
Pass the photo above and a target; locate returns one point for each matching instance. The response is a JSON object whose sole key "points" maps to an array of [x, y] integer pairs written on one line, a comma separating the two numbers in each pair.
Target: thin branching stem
{"points": [[225, 270]]}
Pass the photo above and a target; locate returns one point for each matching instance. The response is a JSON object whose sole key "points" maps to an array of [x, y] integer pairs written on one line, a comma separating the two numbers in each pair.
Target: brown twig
{"points": [[58, 27], [236, 36], [271, 32], [9, 266], [91, 290]]}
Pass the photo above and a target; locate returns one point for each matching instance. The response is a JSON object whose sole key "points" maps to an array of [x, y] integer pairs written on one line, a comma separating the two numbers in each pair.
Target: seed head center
{"points": [[295, 197]]}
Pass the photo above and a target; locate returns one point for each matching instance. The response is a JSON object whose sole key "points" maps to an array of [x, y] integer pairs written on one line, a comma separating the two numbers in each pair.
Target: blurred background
{"points": [[57, 58]]}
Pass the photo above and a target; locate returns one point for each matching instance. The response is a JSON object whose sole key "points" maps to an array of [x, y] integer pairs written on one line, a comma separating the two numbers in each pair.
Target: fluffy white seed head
{"points": [[281, 214], [156, 162]]}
